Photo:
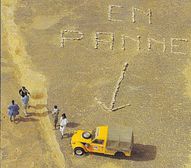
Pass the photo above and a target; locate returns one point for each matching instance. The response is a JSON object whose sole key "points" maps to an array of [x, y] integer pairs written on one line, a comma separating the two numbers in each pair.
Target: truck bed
{"points": [[119, 139]]}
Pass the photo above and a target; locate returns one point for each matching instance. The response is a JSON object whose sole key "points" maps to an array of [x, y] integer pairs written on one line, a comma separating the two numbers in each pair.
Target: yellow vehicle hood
{"points": [[77, 137]]}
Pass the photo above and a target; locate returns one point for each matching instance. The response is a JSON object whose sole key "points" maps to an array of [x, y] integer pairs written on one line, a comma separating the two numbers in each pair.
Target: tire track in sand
{"points": [[30, 78]]}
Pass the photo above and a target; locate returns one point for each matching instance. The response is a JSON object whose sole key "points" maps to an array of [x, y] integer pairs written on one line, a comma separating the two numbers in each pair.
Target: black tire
{"points": [[119, 155], [79, 151], [86, 135]]}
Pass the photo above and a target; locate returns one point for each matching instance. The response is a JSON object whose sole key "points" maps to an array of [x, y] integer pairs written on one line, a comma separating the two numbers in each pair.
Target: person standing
{"points": [[25, 101], [23, 91], [13, 110], [63, 123], [55, 113]]}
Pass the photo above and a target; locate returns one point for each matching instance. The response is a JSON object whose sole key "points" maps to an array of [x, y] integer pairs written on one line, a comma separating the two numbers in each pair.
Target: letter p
{"points": [[65, 37]]}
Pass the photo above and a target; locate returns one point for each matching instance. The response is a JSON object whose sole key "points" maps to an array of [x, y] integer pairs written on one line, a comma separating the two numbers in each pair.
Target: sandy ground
{"points": [[22, 143], [156, 84]]}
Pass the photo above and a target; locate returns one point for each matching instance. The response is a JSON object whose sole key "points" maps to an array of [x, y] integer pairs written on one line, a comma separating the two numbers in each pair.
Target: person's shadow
{"points": [[68, 135], [43, 114], [23, 119], [38, 106], [72, 125]]}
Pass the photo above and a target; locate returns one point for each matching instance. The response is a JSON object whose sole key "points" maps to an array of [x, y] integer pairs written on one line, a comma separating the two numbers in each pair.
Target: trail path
{"points": [[30, 142]]}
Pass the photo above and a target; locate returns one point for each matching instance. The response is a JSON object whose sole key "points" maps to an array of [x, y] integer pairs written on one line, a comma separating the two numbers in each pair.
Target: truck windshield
{"points": [[93, 134]]}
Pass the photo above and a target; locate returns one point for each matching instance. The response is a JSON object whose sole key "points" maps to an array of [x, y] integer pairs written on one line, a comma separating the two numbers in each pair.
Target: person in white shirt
{"points": [[55, 113], [25, 101], [63, 123]]}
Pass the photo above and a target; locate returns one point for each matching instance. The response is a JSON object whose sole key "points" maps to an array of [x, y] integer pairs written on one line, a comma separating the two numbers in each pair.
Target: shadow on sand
{"points": [[38, 106], [23, 119], [140, 153], [143, 152], [72, 125], [43, 114], [68, 135]]}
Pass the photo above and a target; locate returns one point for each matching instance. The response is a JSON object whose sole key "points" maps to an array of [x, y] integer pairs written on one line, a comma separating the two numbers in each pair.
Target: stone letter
{"points": [[111, 42], [63, 39], [136, 40], [110, 13], [150, 40], [149, 14], [175, 45]]}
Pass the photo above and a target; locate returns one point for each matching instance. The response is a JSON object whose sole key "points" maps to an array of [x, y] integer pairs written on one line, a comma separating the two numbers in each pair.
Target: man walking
{"points": [[25, 101], [55, 113], [63, 123], [13, 110]]}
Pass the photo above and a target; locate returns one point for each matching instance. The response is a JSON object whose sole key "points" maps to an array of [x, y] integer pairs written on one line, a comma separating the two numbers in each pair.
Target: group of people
{"points": [[13, 108], [13, 111], [63, 120]]}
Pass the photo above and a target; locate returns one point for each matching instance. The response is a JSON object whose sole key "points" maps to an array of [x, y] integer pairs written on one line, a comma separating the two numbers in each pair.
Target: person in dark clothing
{"points": [[55, 113], [23, 91]]}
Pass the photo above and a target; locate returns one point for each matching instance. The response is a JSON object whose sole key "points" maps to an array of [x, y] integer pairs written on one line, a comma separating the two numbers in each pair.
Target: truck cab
{"points": [[111, 141]]}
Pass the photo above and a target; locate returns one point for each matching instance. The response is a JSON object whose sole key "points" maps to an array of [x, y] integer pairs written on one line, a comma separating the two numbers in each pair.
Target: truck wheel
{"points": [[86, 135], [119, 154], [79, 151]]}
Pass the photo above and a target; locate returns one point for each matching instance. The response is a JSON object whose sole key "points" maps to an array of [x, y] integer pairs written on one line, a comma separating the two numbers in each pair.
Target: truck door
{"points": [[97, 146]]}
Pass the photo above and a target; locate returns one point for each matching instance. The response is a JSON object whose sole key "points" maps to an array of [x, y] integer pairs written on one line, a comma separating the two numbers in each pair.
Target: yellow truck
{"points": [[105, 140]]}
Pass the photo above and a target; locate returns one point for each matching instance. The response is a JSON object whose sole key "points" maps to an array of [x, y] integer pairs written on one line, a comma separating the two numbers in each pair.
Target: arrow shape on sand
{"points": [[115, 93]]}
